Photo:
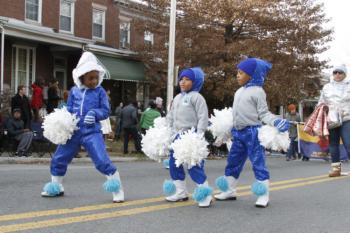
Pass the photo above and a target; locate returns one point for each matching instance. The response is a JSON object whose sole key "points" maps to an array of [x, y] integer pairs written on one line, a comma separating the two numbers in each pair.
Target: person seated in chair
{"points": [[16, 130]]}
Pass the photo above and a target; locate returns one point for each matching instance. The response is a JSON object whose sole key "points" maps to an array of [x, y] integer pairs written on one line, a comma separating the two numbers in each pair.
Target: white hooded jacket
{"points": [[336, 95]]}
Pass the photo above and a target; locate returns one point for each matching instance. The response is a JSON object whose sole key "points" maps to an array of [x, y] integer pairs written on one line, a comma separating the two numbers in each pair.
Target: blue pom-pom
{"points": [[259, 188], [52, 188], [221, 183], [201, 192], [169, 187], [166, 163], [112, 186]]}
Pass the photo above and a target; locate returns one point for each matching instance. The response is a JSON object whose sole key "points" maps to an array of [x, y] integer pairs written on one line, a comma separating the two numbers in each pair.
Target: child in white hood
{"points": [[89, 101]]}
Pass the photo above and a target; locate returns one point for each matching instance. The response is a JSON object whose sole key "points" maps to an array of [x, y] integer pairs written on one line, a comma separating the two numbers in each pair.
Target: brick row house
{"points": [[45, 39]]}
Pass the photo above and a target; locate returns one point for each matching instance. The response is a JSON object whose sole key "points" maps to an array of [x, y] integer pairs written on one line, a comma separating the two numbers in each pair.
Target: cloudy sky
{"points": [[339, 13]]}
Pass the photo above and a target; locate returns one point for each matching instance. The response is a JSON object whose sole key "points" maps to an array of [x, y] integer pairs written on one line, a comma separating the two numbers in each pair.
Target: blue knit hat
{"points": [[257, 69], [196, 75]]}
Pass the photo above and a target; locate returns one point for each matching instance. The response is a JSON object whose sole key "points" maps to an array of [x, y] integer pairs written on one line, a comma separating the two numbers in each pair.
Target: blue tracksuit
{"points": [[249, 109], [189, 110], [197, 172], [246, 144], [80, 102]]}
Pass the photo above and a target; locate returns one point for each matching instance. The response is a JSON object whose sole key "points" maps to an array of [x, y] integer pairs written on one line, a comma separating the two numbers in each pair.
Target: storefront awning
{"points": [[123, 69]]}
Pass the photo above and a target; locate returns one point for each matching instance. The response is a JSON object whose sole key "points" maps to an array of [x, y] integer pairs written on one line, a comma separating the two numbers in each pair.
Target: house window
{"points": [[33, 10], [23, 63], [124, 38], [67, 16], [98, 28], [148, 38]]}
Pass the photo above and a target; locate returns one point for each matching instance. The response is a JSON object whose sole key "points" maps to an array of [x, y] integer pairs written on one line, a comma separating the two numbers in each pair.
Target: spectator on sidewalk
{"points": [[16, 129], [52, 96], [293, 117], [336, 95], [37, 98], [129, 125], [148, 117], [20, 101]]}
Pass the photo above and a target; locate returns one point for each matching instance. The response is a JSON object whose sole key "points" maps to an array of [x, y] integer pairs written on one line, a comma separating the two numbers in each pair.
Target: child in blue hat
{"points": [[249, 111], [188, 110]]}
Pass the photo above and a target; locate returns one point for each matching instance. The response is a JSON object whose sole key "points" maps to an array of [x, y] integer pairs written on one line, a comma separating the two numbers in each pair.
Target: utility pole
{"points": [[171, 55]]}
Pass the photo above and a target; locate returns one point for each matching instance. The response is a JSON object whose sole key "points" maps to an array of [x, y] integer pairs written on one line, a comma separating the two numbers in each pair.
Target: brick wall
{"points": [[82, 18], [12, 8], [44, 63], [50, 13]]}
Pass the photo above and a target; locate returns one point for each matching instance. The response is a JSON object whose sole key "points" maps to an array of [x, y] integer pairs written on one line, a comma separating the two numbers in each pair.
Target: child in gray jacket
{"points": [[249, 111], [189, 110]]}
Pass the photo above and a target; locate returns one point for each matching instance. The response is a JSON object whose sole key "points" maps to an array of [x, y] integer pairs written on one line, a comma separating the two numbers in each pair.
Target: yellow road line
{"points": [[286, 181], [128, 212], [92, 217], [307, 183], [35, 214]]}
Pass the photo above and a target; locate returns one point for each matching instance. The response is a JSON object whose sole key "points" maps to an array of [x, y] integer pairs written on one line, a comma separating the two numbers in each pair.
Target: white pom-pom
{"points": [[221, 125], [271, 138], [156, 141], [191, 148], [59, 126], [160, 122]]}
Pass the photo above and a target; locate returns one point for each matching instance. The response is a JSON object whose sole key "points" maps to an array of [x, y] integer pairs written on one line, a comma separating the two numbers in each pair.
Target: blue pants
{"points": [[293, 148], [335, 134], [94, 145], [246, 144], [177, 173]]}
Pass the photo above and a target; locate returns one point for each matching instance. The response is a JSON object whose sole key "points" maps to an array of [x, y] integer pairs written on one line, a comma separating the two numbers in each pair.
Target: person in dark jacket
{"points": [[129, 125], [52, 97], [21, 101], [293, 117], [16, 129]]}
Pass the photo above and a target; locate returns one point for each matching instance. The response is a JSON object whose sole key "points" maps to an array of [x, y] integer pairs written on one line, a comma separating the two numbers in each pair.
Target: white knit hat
{"points": [[341, 68], [88, 62]]}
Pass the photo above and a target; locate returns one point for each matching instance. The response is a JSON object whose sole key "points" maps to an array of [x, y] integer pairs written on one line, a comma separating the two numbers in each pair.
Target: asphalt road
{"points": [[303, 199]]}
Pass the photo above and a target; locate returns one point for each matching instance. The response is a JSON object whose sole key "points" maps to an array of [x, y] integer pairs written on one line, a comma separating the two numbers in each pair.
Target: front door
{"points": [[60, 73]]}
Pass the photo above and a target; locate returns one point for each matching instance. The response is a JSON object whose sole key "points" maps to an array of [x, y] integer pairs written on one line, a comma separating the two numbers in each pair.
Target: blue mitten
{"points": [[281, 124], [90, 118]]}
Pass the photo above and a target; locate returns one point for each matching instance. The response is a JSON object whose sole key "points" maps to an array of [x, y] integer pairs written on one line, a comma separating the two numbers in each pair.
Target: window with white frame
{"points": [[23, 66], [33, 10], [149, 38], [124, 35], [67, 16], [98, 24]]}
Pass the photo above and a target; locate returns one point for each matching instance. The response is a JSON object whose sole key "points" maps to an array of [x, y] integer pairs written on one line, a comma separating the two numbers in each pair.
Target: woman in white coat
{"points": [[336, 95]]}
